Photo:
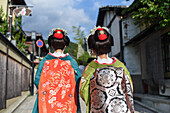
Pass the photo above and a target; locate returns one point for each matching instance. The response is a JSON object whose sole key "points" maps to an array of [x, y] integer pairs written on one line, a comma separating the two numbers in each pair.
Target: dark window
{"points": [[166, 51]]}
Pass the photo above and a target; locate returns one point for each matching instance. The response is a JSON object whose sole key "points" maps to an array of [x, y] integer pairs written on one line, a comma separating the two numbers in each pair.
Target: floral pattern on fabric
{"points": [[57, 88]]}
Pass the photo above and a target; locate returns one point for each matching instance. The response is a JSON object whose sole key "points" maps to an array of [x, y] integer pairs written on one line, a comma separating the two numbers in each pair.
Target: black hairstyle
{"points": [[100, 46], [58, 43]]}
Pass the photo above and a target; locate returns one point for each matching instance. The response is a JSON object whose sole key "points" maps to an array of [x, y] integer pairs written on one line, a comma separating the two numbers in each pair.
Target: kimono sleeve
{"points": [[127, 89], [120, 64], [77, 79], [85, 86], [76, 68], [129, 77], [38, 73]]}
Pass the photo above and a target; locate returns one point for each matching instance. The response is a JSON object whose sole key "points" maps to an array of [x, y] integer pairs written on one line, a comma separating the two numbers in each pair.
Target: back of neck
{"points": [[104, 59], [58, 53]]}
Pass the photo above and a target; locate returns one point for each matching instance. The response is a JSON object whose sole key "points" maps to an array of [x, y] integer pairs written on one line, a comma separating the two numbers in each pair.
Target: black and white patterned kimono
{"points": [[110, 91]]}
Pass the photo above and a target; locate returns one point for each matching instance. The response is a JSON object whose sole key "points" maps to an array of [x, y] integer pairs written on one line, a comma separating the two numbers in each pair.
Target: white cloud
{"points": [[97, 5], [48, 14], [82, 28], [127, 3]]}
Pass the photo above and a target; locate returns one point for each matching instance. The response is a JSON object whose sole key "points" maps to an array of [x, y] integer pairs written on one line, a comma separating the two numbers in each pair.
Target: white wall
{"points": [[129, 29], [132, 59], [114, 30], [131, 52], [3, 3]]}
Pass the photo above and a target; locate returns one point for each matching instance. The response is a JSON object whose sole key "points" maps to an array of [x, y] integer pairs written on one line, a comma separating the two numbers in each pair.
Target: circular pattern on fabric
{"points": [[117, 105], [131, 100], [70, 95], [119, 71], [96, 112], [128, 88], [92, 84], [98, 99], [106, 77], [112, 92], [44, 92]]}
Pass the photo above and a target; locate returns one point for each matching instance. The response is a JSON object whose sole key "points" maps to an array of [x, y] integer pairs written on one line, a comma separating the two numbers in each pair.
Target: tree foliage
{"points": [[84, 58], [3, 22], [16, 30], [152, 12], [18, 35], [72, 49], [79, 34]]}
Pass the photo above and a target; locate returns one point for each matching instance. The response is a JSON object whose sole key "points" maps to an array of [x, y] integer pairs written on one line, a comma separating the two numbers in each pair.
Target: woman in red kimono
{"points": [[57, 78]]}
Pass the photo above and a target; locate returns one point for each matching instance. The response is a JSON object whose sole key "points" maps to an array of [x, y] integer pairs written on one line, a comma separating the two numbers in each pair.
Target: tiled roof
{"points": [[104, 9], [18, 2]]}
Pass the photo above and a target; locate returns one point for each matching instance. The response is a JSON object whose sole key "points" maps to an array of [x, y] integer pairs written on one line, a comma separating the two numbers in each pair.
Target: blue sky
{"points": [[48, 14]]}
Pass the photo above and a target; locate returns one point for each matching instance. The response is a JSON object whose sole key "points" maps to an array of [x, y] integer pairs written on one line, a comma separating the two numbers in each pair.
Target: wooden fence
{"points": [[15, 71]]}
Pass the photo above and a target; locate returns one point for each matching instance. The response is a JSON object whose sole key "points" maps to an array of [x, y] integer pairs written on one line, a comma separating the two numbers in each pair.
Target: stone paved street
{"points": [[27, 106]]}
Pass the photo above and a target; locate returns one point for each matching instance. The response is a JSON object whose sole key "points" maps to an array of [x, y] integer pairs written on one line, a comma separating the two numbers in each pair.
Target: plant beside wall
{"points": [[147, 12], [18, 35], [3, 22], [16, 30]]}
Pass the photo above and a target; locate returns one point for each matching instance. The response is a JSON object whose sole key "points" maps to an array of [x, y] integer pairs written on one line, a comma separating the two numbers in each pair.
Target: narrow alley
{"points": [[27, 105]]}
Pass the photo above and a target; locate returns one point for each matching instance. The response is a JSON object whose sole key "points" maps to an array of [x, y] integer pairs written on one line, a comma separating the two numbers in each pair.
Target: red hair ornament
{"points": [[58, 34], [102, 36]]}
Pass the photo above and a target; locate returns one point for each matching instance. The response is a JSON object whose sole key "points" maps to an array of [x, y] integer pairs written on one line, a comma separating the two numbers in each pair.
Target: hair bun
{"points": [[58, 34], [102, 37], [100, 29], [101, 34]]}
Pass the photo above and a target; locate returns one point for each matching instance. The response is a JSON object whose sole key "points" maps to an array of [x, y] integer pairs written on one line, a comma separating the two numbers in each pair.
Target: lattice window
{"points": [[166, 51]]}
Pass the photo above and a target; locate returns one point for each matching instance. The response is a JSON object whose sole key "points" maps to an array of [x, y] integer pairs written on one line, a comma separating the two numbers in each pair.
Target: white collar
{"points": [[58, 54], [104, 60]]}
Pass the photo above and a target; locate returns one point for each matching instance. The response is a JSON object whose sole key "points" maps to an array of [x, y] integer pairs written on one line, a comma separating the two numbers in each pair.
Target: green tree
{"points": [[84, 57], [16, 32], [79, 35], [72, 49], [18, 35], [152, 12], [3, 22]]}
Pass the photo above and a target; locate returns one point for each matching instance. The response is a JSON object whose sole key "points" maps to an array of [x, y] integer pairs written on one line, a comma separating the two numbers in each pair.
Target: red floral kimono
{"points": [[57, 87]]}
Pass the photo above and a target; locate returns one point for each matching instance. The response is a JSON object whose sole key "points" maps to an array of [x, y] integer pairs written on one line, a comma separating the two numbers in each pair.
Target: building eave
{"points": [[7, 42], [142, 34], [133, 7], [104, 9], [18, 2], [38, 36]]}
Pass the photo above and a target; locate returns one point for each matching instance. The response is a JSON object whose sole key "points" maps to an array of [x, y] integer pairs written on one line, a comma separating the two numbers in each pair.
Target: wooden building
{"points": [[43, 50], [15, 71]]}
